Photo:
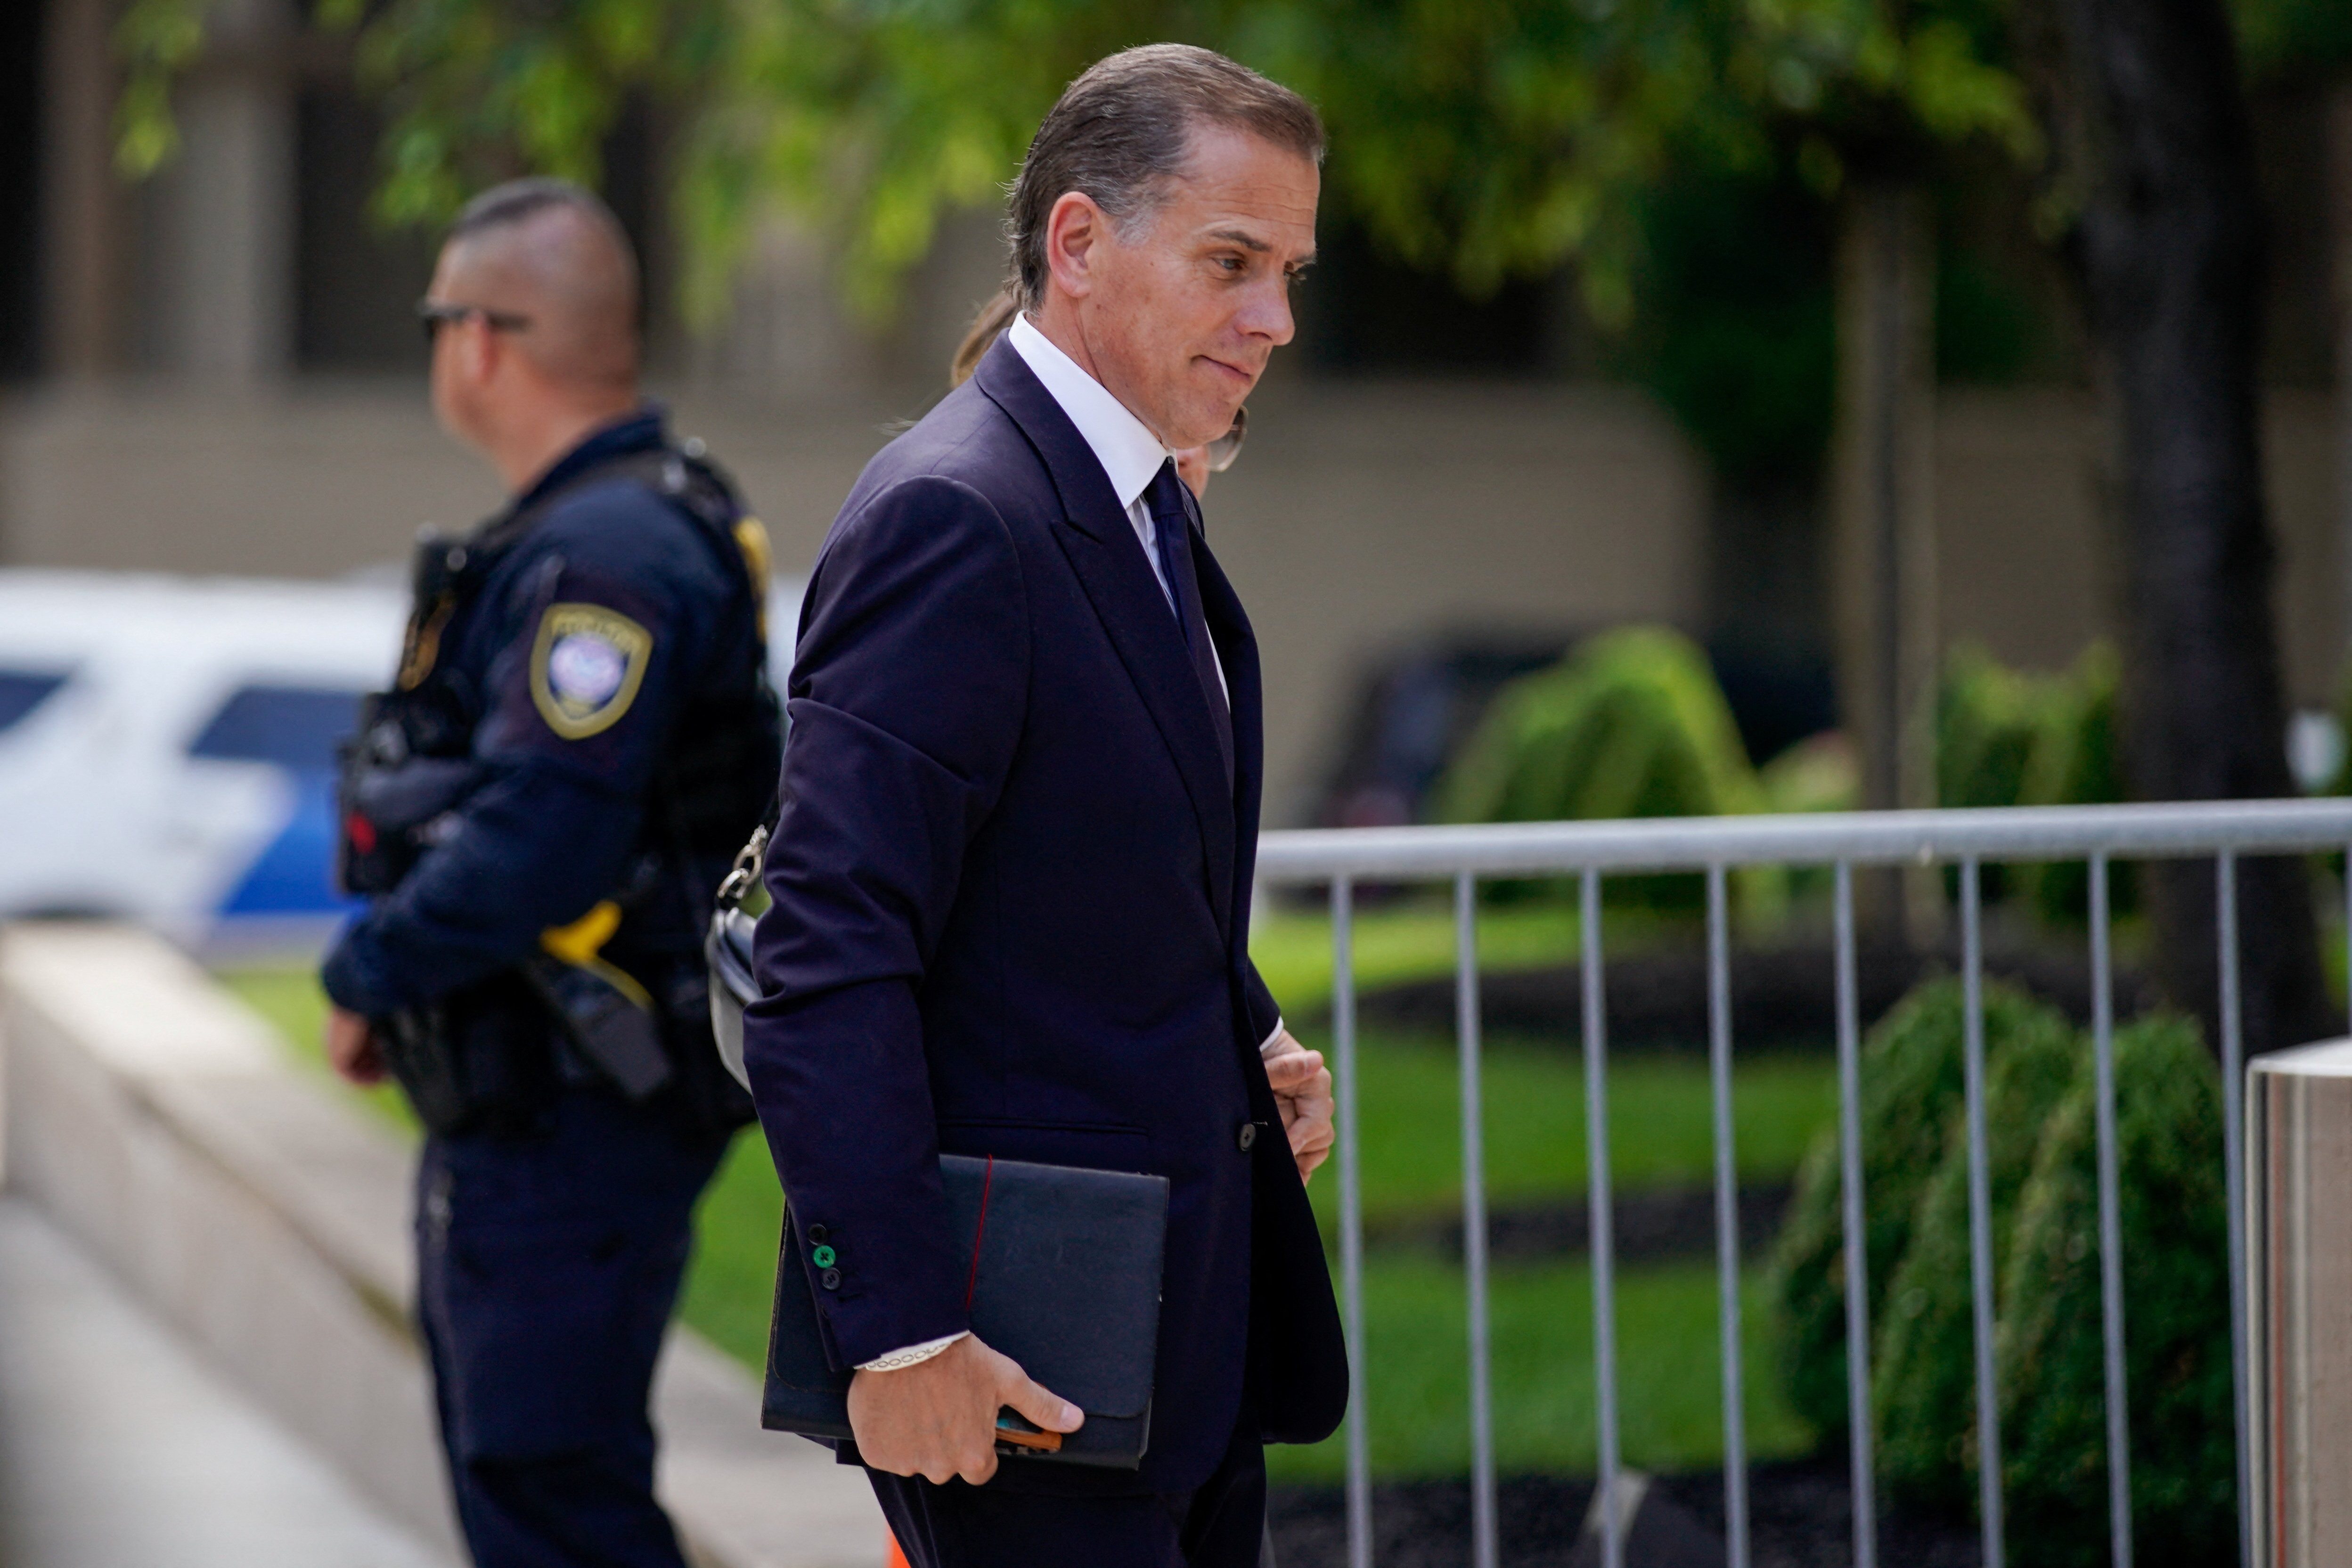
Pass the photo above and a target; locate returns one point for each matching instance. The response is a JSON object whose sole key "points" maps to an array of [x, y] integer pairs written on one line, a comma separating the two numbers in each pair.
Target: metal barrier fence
{"points": [[2225, 831]]}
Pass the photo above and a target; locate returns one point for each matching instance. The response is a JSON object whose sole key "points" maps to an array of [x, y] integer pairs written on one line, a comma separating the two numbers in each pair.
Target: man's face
{"points": [[467, 354], [1182, 319], [452, 403]]}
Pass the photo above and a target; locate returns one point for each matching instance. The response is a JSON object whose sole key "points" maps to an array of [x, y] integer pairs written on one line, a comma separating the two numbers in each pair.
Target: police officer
{"points": [[579, 737]]}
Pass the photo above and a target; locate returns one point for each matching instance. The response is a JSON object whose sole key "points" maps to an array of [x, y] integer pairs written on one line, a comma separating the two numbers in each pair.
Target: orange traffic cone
{"points": [[896, 1559]]}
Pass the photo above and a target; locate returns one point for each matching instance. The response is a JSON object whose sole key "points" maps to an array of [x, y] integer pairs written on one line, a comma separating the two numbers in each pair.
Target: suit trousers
{"points": [[1221, 1523], [547, 1268]]}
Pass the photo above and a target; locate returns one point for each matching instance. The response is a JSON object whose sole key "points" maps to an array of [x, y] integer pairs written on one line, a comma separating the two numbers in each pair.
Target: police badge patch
{"points": [[586, 667]]}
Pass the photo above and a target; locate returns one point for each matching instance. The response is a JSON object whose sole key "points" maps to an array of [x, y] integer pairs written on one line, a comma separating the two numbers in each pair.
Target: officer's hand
{"points": [[937, 1419], [351, 1048], [1302, 1090]]}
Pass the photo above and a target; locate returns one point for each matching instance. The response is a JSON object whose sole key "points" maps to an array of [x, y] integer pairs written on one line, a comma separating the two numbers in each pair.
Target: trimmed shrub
{"points": [[2075, 762], [1911, 1084], [2175, 1320], [1631, 723], [1923, 1368], [1817, 774], [2049, 1353], [2005, 737], [1988, 716]]}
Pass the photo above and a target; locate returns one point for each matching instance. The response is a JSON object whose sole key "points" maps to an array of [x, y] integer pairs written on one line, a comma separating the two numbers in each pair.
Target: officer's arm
{"points": [[906, 702], [574, 709]]}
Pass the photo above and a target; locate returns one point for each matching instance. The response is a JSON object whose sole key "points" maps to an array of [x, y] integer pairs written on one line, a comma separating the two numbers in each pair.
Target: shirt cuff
{"points": [[913, 1356], [1266, 1043]]}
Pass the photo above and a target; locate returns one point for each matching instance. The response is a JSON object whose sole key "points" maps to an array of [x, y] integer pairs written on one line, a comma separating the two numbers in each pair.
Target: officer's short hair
{"points": [[591, 303], [1120, 133], [519, 201]]}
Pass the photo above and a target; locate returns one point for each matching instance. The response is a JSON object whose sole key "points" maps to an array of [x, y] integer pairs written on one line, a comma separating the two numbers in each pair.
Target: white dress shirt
{"points": [[1130, 456]]}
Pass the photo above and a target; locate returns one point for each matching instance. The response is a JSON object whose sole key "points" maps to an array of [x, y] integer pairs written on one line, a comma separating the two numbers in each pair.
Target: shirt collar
{"points": [[638, 430], [1124, 446]]}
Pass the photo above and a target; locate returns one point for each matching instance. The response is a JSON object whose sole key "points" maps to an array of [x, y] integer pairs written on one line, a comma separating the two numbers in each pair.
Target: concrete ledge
{"points": [[119, 1449], [156, 1120]]}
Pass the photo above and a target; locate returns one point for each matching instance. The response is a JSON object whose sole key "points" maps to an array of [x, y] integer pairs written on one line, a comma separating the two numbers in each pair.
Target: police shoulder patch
{"points": [[586, 665]]}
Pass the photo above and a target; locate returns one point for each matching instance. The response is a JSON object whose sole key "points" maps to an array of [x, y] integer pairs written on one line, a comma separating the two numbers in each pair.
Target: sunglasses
{"points": [[435, 314], [1227, 446]]}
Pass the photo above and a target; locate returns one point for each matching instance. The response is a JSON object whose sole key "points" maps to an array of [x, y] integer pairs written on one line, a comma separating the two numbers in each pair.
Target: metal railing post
{"points": [[1483, 1535], [1726, 1220], [2111, 1225], [1351, 1219], [1597, 1192], [1857, 1241], [2232, 1109], [1981, 1280]]}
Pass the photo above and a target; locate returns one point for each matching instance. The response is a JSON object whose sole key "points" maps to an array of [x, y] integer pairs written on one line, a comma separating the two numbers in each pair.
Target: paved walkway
{"points": [[120, 1449]]}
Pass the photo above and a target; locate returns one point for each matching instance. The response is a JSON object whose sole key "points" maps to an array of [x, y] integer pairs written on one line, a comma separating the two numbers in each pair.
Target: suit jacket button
{"points": [[830, 1278], [824, 1256], [816, 1235], [1246, 1137]]}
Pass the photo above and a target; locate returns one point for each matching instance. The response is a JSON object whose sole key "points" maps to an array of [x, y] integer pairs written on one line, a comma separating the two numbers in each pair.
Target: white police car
{"points": [[167, 745]]}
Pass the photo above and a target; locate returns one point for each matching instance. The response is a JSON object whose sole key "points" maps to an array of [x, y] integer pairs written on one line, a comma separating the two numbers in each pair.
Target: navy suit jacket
{"points": [[1010, 916]]}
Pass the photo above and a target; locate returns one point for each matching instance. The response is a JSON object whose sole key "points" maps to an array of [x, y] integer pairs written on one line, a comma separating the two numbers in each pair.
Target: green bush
{"points": [[1923, 1368], [2049, 1354], [1987, 718], [2175, 1320], [1631, 723], [1911, 1084], [2005, 737], [1817, 773], [2075, 762]]}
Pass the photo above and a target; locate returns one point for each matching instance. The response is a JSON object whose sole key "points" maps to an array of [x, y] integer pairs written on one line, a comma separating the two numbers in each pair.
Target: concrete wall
{"points": [[1363, 515], [156, 1121], [2026, 566], [1357, 517]]}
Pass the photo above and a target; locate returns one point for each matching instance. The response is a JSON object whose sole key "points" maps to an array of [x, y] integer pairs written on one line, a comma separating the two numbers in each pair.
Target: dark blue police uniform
{"points": [[580, 736]]}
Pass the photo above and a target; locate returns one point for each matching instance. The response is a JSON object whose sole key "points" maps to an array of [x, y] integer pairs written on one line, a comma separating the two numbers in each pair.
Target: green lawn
{"points": [[733, 1276], [1532, 1104], [290, 998], [1533, 1095], [1670, 1412], [1407, 940]]}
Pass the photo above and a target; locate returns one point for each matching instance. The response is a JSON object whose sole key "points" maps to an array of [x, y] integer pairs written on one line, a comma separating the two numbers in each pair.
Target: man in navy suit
{"points": [[1011, 871]]}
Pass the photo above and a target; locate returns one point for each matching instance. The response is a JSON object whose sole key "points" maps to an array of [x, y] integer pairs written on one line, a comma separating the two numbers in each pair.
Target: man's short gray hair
{"points": [[1120, 132]]}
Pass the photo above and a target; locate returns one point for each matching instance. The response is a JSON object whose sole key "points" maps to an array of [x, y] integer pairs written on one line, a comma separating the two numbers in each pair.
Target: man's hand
{"points": [[937, 1419], [351, 1048], [1302, 1088]]}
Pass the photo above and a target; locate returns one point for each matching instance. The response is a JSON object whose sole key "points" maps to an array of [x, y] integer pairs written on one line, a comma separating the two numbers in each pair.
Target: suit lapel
{"points": [[1107, 559], [1229, 629]]}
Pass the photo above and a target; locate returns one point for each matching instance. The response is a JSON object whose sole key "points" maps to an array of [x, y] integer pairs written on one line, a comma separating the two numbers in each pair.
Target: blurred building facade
{"points": [[217, 371]]}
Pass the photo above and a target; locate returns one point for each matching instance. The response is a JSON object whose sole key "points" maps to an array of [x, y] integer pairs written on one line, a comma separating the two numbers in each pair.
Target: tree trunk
{"points": [[1889, 643], [2339, 270], [85, 218], [2154, 148]]}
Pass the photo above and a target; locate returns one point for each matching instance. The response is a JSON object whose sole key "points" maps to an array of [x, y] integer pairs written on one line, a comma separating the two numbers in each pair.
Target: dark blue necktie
{"points": [[1172, 527]]}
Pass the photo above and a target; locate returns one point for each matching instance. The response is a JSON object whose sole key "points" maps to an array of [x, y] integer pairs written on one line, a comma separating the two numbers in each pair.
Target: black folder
{"points": [[1067, 1284]]}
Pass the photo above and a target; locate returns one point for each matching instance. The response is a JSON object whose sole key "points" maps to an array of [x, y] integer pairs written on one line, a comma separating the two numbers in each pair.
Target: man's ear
{"points": [[1073, 230]]}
